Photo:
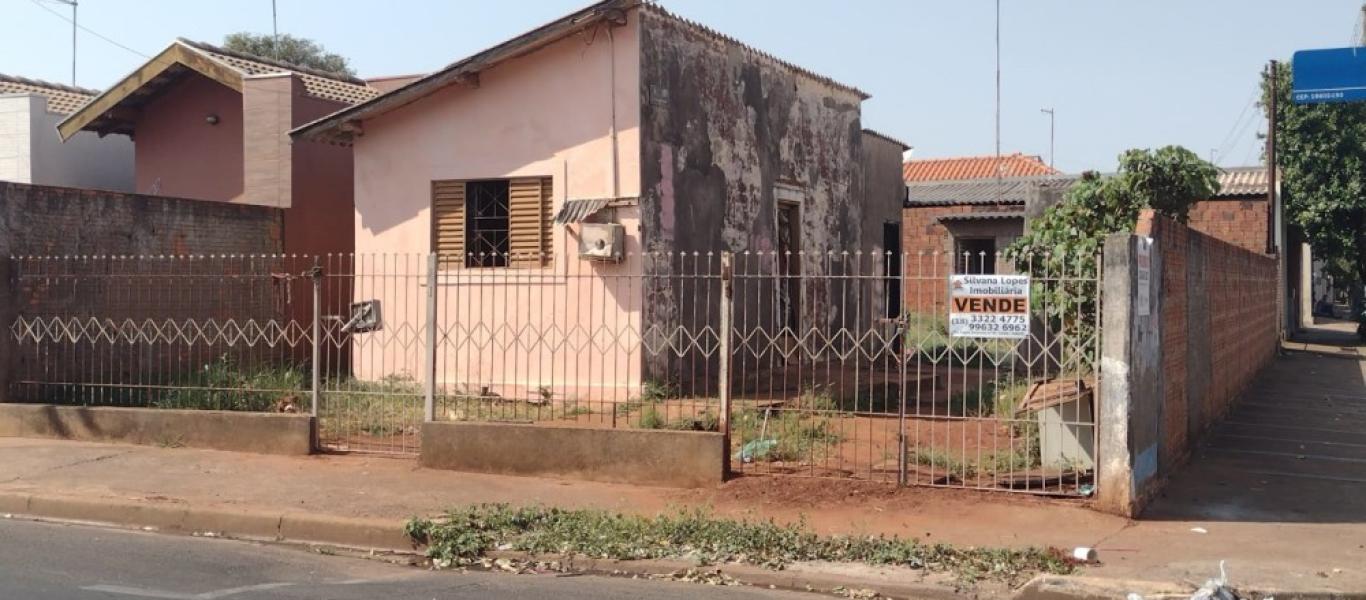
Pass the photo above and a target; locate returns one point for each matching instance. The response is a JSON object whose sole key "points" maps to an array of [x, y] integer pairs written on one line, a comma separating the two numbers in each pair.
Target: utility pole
{"points": [[998, 101], [1049, 112], [72, 4], [1271, 157], [275, 30]]}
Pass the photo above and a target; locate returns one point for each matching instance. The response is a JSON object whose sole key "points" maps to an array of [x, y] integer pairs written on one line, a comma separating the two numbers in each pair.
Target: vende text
{"points": [[990, 304]]}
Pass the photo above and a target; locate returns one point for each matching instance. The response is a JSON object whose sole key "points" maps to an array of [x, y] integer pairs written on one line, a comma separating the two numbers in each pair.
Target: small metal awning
{"points": [[576, 211], [984, 216]]}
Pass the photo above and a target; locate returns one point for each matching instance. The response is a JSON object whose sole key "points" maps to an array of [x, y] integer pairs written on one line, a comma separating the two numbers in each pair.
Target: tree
{"points": [[1321, 151], [290, 49], [1060, 250]]}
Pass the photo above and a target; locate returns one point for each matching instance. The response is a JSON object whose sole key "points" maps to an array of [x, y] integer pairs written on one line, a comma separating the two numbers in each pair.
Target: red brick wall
{"points": [[1218, 326], [928, 249], [1241, 222]]}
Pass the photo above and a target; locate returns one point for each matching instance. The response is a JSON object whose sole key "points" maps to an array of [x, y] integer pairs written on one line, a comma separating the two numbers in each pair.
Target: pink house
{"points": [[212, 124], [617, 119]]}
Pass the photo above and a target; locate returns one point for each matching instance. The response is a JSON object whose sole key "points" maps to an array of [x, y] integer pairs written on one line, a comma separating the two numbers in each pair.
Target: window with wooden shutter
{"points": [[493, 223], [448, 221], [529, 221]]}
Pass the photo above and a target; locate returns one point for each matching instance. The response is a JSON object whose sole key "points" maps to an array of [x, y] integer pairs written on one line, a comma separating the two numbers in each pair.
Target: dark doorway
{"points": [[789, 264], [975, 256], [891, 246]]}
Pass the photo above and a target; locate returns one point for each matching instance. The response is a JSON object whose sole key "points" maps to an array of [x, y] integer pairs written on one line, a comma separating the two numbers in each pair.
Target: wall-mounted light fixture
{"points": [[211, 119]]}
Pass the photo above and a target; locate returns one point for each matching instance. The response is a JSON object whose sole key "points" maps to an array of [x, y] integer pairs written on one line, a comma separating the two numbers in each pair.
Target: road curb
{"points": [[798, 578], [173, 517], [1080, 587], [387, 536]]}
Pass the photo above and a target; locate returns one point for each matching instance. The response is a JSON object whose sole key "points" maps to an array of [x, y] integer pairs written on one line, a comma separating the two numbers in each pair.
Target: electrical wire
{"points": [[88, 30], [1240, 125]]}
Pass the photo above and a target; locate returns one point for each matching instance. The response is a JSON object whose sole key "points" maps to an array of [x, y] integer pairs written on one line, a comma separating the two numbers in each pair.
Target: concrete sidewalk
{"points": [[336, 498], [1282, 518]]}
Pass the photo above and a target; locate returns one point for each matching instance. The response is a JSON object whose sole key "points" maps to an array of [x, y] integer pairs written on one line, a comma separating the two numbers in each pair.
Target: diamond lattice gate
{"points": [[841, 365]]}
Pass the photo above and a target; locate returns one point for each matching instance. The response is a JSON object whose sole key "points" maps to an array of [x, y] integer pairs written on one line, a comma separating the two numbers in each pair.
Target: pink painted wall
{"points": [[178, 153], [545, 114]]}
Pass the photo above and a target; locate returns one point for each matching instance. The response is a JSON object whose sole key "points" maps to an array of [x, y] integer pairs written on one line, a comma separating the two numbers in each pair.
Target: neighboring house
{"points": [[212, 124], [975, 167], [31, 152], [973, 220], [619, 113]]}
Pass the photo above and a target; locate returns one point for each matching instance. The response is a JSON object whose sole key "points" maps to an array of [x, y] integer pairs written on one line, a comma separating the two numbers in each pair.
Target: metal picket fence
{"points": [[825, 364]]}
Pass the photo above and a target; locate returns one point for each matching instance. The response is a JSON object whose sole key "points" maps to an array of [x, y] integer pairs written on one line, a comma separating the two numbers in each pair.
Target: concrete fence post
{"points": [[723, 349], [429, 349], [1129, 409]]}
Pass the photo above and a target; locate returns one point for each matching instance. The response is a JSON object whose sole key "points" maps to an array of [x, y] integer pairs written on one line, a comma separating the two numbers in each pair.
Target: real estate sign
{"points": [[1329, 75], [989, 306]]}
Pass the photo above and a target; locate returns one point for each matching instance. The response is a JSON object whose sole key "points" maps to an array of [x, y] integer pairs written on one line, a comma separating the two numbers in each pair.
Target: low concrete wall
{"points": [[669, 458], [262, 433]]}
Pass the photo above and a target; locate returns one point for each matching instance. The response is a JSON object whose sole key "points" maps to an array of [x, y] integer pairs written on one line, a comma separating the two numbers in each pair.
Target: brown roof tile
{"points": [[974, 167], [61, 99], [319, 84]]}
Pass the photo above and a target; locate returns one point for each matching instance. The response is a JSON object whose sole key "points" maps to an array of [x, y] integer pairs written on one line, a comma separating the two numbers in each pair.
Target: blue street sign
{"points": [[1332, 75]]}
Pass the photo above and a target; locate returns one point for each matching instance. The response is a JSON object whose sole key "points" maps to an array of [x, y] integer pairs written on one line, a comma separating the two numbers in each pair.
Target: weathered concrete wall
{"points": [[650, 457], [58, 221], [1172, 371], [262, 433], [97, 225], [727, 133], [1130, 382], [885, 194]]}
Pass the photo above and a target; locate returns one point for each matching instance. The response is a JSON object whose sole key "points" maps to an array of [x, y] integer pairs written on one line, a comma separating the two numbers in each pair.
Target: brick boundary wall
{"points": [[1238, 221], [1172, 371], [95, 225]]}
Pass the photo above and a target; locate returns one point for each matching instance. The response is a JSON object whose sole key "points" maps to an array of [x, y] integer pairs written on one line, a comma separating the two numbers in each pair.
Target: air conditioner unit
{"points": [[602, 241]]}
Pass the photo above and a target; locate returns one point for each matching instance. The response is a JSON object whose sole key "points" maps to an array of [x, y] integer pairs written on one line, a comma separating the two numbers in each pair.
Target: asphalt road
{"points": [[50, 561]]}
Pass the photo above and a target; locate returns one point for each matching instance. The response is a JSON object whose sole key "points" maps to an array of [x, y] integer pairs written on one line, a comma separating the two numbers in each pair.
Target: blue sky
{"points": [[1120, 74]]}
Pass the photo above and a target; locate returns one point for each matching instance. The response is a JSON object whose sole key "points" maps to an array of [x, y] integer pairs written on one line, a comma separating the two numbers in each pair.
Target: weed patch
{"points": [[462, 535]]}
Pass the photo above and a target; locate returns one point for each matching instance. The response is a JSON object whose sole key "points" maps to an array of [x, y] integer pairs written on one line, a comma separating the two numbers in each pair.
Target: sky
{"points": [[1118, 74]]}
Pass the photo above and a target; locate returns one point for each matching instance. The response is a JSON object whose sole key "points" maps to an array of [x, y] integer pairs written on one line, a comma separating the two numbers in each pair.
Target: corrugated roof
{"points": [[984, 215], [319, 84], [974, 167], [1242, 181], [1010, 190], [575, 211], [61, 99], [1234, 182]]}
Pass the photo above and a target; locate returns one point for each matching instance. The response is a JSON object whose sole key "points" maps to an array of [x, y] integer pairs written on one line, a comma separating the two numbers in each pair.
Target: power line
{"points": [[1235, 132], [88, 30]]}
